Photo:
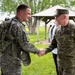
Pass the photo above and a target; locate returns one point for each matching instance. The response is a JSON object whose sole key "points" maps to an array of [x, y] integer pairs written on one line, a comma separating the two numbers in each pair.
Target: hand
{"points": [[41, 53]]}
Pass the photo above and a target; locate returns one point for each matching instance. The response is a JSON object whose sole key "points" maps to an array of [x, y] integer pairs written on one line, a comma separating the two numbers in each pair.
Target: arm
{"points": [[52, 45], [49, 49], [21, 38]]}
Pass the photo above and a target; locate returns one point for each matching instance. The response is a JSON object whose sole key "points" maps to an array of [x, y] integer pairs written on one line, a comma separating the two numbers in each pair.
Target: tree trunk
{"points": [[32, 26]]}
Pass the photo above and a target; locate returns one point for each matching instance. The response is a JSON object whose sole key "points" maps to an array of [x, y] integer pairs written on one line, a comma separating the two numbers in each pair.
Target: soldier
{"points": [[18, 43], [64, 40]]}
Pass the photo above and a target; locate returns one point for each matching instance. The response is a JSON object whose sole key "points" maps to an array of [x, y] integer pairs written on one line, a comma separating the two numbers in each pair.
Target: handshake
{"points": [[42, 52]]}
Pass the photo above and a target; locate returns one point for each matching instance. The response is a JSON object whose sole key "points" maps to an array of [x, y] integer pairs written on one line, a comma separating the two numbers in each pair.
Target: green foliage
{"points": [[8, 6], [36, 5], [72, 2]]}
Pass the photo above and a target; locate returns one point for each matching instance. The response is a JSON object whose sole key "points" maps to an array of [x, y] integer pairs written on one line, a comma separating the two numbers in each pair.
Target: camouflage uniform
{"points": [[64, 40], [18, 41]]}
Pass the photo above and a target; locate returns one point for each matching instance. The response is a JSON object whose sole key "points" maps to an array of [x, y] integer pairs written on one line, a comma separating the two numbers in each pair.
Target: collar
{"points": [[19, 20]]}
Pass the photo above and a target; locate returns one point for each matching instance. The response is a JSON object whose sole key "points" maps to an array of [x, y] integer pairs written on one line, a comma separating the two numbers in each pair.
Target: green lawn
{"points": [[39, 65]]}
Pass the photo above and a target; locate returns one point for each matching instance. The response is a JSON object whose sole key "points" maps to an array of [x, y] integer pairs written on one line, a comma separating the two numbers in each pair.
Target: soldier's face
{"points": [[63, 20], [26, 15]]}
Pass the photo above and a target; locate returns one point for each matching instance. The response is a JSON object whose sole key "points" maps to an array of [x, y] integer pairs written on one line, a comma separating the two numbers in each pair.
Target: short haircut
{"points": [[22, 7]]}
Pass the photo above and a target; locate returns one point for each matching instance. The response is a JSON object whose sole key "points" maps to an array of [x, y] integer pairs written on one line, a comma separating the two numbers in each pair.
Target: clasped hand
{"points": [[41, 53]]}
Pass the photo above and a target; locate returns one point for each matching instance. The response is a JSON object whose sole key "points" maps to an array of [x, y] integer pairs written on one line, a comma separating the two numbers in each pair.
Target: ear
{"points": [[21, 12]]}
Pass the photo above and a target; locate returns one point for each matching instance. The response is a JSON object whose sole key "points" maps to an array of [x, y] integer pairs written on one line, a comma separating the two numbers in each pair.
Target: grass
{"points": [[39, 65]]}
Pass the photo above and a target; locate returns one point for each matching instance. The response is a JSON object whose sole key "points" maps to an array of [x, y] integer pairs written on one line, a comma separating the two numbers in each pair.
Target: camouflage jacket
{"points": [[64, 40], [18, 40]]}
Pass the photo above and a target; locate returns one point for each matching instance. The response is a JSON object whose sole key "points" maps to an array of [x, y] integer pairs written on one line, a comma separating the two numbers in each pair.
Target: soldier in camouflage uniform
{"points": [[17, 41], [64, 40]]}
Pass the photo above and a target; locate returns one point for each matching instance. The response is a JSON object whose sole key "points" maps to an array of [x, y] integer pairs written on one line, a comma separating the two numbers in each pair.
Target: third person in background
{"points": [[54, 51]]}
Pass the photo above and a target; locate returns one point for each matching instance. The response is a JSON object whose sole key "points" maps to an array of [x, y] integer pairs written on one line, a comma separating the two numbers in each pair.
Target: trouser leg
{"points": [[69, 71], [55, 61], [11, 70]]}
